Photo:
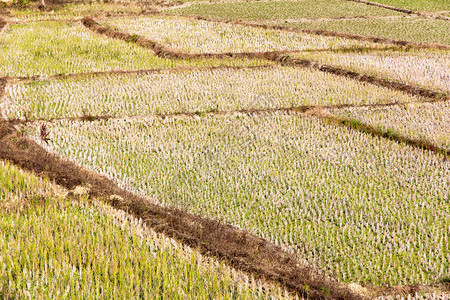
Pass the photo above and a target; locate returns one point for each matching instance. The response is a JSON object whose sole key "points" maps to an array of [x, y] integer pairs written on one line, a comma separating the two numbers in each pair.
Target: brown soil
{"points": [[239, 248], [403, 10], [252, 111], [322, 33], [3, 24], [3, 83]]}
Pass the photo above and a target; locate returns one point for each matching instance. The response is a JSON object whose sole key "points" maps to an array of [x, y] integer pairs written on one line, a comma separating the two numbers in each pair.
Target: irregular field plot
{"points": [[427, 121], [196, 91], [61, 248], [422, 5], [414, 29], [283, 10], [48, 48], [426, 69], [197, 36], [366, 209]]}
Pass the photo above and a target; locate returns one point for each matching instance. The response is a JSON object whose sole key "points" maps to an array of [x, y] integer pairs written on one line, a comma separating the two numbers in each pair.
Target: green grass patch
{"points": [[18, 188]]}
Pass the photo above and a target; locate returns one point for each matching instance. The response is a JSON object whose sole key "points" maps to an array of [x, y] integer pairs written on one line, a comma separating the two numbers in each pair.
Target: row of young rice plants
{"points": [[420, 121], [197, 36], [52, 248], [427, 69], [363, 208], [282, 10], [192, 91], [49, 48], [17, 186]]}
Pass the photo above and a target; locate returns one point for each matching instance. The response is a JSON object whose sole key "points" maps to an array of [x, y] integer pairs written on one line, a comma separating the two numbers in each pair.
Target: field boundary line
{"points": [[87, 75], [374, 131], [248, 111], [403, 10], [242, 250], [357, 37]]}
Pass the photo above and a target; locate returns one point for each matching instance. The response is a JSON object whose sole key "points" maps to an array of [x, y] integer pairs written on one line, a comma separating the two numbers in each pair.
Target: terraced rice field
{"points": [[417, 5], [316, 167]]}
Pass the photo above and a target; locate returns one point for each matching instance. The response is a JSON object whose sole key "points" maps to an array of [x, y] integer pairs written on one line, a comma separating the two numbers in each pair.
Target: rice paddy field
{"points": [[54, 247], [331, 149]]}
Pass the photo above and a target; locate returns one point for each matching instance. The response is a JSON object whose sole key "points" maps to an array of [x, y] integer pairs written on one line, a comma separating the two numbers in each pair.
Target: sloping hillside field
{"points": [[60, 248], [225, 150]]}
